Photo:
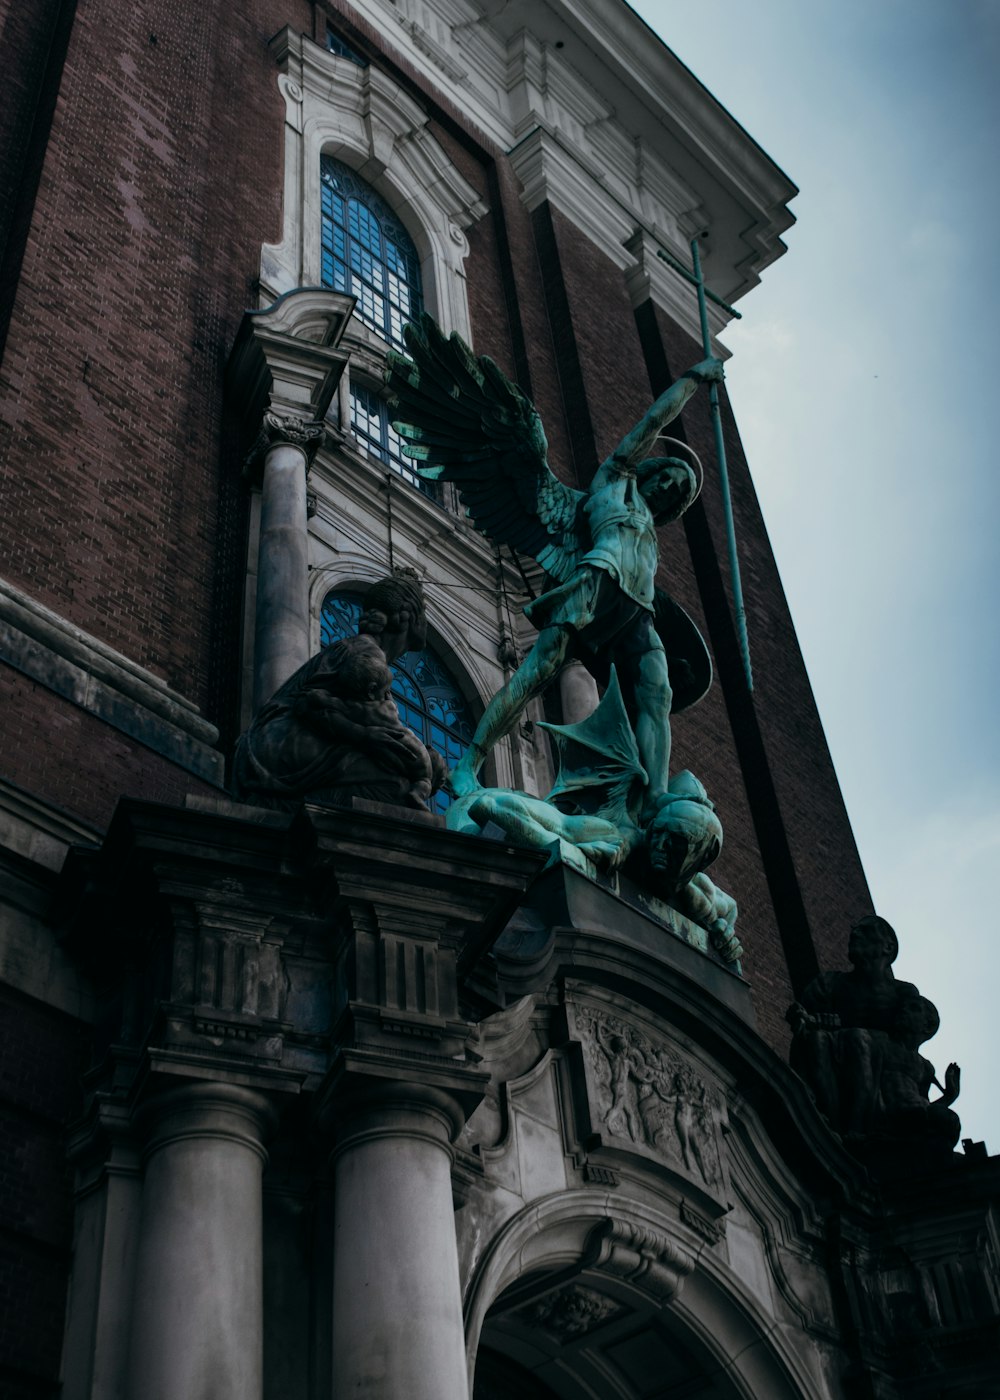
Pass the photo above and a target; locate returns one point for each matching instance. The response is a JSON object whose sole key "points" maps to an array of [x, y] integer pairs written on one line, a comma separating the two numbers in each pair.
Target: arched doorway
{"points": [[588, 1338], [582, 1297]]}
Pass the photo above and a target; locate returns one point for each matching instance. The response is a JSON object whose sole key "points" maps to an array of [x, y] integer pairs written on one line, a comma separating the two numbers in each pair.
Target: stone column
{"points": [[577, 692], [198, 1298], [397, 1305], [283, 372], [281, 629]]}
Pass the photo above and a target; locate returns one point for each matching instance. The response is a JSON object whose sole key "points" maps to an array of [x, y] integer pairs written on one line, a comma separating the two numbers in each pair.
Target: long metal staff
{"points": [[720, 448]]}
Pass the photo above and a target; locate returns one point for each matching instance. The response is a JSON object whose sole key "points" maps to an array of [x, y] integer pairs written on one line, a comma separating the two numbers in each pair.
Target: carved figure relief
{"points": [[649, 1095], [570, 1312]]}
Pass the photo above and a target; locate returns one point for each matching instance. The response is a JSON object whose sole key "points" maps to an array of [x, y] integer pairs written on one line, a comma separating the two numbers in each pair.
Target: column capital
{"points": [[207, 1109], [355, 1107], [286, 430], [287, 358]]}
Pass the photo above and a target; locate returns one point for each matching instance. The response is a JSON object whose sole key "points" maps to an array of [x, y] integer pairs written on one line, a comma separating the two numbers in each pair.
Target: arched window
{"points": [[367, 252], [429, 701]]}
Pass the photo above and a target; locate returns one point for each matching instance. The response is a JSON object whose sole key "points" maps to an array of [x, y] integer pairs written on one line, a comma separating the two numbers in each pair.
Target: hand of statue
{"points": [[952, 1083], [708, 372], [799, 1018]]}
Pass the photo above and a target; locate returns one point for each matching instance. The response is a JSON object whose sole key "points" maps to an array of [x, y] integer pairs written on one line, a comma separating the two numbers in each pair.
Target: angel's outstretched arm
{"points": [[635, 446]]}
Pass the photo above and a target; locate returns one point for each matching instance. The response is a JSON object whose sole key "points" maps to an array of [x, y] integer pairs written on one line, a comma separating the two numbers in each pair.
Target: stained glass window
{"points": [[371, 425], [429, 701], [367, 252]]}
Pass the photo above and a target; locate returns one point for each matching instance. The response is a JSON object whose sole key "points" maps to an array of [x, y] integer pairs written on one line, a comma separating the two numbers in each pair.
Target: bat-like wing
{"points": [[462, 420]]}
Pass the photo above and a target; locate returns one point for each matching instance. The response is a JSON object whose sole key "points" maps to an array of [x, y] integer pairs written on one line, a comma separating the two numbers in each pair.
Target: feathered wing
{"points": [[463, 421]]}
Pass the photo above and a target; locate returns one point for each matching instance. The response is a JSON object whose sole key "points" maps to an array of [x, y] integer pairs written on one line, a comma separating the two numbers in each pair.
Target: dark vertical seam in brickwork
{"points": [[15, 239], [519, 345], [574, 395], [765, 809]]}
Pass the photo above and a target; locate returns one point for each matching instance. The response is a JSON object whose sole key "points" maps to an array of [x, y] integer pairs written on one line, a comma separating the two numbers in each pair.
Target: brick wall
{"points": [[67, 757], [161, 178]]}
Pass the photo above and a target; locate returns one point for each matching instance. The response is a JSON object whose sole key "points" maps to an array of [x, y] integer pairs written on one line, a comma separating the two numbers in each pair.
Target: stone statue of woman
{"points": [[332, 731]]}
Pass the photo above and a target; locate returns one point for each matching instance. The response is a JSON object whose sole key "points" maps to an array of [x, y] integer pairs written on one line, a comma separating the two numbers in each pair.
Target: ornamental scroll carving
{"points": [[645, 1094], [617, 1251], [285, 428], [570, 1313]]}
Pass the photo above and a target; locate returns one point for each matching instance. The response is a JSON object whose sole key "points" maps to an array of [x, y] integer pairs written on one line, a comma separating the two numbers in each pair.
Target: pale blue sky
{"points": [[862, 380]]}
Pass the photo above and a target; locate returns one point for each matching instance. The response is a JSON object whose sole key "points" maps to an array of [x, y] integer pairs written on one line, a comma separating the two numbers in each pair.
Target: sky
{"points": [[861, 379]]}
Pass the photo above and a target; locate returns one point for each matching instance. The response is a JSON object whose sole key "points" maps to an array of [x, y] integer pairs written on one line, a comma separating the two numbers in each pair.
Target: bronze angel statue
{"points": [[462, 421]]}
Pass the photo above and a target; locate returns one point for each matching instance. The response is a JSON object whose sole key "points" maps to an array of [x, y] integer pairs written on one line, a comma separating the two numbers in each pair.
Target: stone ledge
{"points": [[100, 680], [37, 830]]}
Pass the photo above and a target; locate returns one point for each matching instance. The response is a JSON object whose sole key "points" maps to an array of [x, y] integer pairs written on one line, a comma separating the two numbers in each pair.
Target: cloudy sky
{"points": [[862, 378]]}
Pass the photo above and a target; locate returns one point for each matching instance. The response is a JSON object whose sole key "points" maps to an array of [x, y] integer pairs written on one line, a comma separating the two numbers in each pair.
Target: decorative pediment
{"points": [[645, 1095]]}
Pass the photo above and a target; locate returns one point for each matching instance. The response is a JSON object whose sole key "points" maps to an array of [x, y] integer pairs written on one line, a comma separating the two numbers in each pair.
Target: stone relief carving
{"points": [[649, 1095], [570, 1312], [276, 428]]}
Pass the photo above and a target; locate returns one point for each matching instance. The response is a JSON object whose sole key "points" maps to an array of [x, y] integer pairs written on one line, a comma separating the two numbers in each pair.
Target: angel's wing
{"points": [[462, 420]]}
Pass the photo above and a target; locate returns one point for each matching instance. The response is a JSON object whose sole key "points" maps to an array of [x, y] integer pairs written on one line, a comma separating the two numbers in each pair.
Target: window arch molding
{"points": [[362, 118]]}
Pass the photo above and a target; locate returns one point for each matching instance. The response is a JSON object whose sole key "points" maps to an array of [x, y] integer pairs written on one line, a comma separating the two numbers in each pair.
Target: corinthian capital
{"points": [[285, 429]]}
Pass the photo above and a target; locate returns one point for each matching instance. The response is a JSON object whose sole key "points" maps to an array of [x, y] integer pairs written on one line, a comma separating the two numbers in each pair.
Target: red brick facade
{"points": [[142, 153]]}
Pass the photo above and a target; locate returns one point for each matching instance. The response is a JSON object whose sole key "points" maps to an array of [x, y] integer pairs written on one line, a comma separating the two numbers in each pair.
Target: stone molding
{"points": [[649, 278], [240, 907], [360, 116], [606, 98], [104, 682], [37, 830], [286, 363], [203, 1109]]}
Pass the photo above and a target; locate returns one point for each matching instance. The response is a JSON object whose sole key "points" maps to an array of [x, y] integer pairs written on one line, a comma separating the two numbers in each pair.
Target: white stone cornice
{"points": [[620, 103], [549, 170]]}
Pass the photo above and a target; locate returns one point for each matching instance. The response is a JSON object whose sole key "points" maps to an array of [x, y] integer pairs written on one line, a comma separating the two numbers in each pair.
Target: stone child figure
{"points": [[906, 1111], [332, 731], [463, 421]]}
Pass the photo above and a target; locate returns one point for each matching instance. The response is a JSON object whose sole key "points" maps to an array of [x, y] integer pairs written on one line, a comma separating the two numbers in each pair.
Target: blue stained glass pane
{"points": [[378, 256]]}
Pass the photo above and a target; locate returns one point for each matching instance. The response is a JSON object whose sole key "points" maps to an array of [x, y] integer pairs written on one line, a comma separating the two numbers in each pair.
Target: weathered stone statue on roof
{"points": [[856, 1040]]}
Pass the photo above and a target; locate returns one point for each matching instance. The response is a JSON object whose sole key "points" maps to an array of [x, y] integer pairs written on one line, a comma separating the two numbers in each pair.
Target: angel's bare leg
{"points": [[539, 667]]}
